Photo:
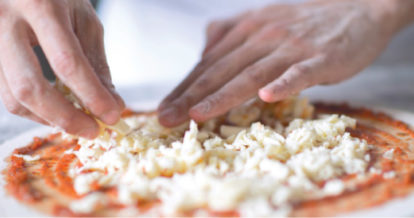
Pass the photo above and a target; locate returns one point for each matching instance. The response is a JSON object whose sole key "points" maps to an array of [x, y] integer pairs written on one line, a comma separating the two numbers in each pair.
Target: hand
{"points": [[279, 51], [71, 36]]}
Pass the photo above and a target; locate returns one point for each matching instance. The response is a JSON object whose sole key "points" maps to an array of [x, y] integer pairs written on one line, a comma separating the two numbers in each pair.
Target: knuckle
{"points": [[248, 24], [299, 70], [99, 27], [43, 6], [38, 2], [66, 121], [217, 25], [202, 83], [23, 92], [65, 64], [26, 91], [94, 25], [215, 99], [15, 108], [272, 32], [213, 24], [221, 66], [281, 86], [99, 64], [102, 68], [205, 62], [186, 100], [3, 10], [255, 74], [11, 27], [302, 74], [208, 105], [65, 124]]}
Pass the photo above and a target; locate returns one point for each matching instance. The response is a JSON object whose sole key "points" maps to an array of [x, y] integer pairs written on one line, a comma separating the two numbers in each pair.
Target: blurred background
{"points": [[152, 45]]}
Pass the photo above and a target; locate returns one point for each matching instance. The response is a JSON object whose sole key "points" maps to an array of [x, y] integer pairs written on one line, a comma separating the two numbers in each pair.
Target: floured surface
{"points": [[333, 187]]}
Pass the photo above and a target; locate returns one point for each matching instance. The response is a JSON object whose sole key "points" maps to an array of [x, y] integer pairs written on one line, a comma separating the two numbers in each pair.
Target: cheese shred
{"points": [[259, 161]]}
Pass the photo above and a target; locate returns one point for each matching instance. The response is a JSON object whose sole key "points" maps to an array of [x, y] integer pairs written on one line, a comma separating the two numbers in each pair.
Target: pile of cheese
{"points": [[257, 160]]}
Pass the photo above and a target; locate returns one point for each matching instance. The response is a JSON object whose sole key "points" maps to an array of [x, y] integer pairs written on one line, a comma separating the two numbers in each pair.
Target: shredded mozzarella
{"points": [[89, 203], [254, 168], [28, 158], [389, 175], [389, 154]]}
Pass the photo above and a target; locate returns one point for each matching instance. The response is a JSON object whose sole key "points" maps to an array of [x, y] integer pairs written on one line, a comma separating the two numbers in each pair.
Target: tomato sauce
{"points": [[377, 129]]}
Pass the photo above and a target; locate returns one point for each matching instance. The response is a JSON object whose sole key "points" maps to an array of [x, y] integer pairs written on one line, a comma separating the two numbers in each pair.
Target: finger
{"points": [[90, 34], [222, 71], [195, 73], [69, 62], [215, 77], [297, 78], [28, 86], [244, 86], [235, 38], [12, 105], [216, 30]]}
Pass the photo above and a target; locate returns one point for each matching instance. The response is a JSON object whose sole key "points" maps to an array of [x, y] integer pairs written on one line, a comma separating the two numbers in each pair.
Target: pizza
{"points": [[290, 158]]}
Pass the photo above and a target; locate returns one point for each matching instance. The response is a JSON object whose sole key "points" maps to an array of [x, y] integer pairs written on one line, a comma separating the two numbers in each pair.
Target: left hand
{"points": [[279, 51]]}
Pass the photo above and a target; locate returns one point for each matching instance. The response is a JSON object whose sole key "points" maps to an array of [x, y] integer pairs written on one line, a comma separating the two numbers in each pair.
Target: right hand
{"points": [[71, 36], [280, 50]]}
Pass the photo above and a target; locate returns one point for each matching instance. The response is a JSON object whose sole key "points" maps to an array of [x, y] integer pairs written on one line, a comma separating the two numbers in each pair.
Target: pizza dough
{"points": [[257, 160]]}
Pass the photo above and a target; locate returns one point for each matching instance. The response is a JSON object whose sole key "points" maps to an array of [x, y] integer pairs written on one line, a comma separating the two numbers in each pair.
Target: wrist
{"points": [[394, 15]]}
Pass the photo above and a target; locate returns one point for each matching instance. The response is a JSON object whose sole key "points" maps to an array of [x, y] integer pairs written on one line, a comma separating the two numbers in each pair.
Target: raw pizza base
{"points": [[398, 207]]}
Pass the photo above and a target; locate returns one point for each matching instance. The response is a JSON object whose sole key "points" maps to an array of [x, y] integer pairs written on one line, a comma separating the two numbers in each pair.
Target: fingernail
{"points": [[266, 95], [111, 117], [89, 133], [169, 114], [164, 105], [202, 108], [161, 106]]}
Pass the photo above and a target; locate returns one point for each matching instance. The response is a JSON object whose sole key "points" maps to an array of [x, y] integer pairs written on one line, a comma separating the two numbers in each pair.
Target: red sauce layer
{"points": [[28, 182]]}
